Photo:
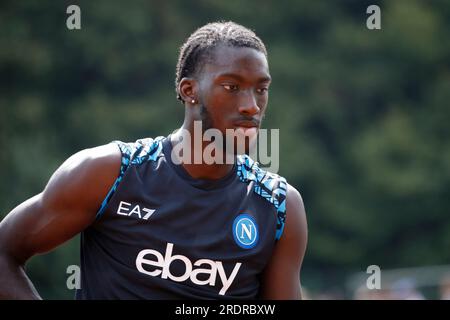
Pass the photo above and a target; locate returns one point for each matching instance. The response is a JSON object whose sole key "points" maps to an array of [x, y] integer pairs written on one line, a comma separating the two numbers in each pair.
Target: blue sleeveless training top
{"points": [[161, 234]]}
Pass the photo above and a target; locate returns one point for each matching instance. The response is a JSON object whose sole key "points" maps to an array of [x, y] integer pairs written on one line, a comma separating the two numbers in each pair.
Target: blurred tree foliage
{"points": [[363, 114]]}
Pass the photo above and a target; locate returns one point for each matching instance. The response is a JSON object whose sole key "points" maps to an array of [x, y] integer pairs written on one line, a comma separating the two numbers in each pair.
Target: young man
{"points": [[154, 229]]}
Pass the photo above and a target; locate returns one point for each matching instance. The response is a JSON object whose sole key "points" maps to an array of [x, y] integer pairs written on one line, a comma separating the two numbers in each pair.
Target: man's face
{"points": [[233, 89]]}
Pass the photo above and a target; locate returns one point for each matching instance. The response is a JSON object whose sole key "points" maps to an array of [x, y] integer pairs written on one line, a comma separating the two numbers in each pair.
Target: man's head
{"points": [[223, 77]]}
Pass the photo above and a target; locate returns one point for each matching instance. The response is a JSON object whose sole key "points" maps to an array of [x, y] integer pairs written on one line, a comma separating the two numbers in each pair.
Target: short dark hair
{"points": [[199, 45]]}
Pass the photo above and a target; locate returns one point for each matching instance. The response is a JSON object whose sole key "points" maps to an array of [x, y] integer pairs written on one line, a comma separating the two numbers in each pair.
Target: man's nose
{"points": [[247, 104]]}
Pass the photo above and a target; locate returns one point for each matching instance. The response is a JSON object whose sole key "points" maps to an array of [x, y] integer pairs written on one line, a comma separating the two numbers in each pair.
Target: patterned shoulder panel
{"points": [[138, 152], [270, 186]]}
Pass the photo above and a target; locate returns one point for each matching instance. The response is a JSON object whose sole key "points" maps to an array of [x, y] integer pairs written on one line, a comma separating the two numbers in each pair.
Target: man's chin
{"points": [[242, 145], [249, 132]]}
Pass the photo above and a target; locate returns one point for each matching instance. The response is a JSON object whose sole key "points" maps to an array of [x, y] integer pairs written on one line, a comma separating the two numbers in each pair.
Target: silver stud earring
{"points": [[193, 101]]}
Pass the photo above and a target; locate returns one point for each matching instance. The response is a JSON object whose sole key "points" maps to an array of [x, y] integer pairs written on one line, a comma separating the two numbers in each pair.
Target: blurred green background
{"points": [[363, 114]]}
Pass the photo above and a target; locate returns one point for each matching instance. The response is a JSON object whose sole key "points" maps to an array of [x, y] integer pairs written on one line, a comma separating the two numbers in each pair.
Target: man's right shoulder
{"points": [[84, 179], [101, 160]]}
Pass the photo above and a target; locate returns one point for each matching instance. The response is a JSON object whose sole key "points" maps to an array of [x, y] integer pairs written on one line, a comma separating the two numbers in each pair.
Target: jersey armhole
{"points": [[281, 209], [281, 219], [125, 162]]}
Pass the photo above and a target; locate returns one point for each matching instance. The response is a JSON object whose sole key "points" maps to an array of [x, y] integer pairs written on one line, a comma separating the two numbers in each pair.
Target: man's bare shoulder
{"points": [[67, 205], [294, 198], [85, 177], [105, 156]]}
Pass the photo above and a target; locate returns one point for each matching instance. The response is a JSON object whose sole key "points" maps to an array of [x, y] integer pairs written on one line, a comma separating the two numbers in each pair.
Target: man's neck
{"points": [[200, 170]]}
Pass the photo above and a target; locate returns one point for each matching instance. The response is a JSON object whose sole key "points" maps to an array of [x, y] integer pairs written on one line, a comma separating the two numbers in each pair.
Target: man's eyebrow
{"points": [[240, 78]]}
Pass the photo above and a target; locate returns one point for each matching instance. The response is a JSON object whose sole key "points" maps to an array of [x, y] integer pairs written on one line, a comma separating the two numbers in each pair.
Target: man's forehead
{"points": [[239, 61]]}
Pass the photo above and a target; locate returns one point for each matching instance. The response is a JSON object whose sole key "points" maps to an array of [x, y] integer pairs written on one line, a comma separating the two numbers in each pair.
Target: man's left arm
{"points": [[281, 279]]}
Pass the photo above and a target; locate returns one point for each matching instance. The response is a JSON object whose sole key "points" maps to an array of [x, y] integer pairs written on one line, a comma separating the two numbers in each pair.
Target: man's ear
{"points": [[187, 89]]}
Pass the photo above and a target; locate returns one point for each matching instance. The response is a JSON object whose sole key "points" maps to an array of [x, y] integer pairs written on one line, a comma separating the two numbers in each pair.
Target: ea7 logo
{"points": [[143, 213]]}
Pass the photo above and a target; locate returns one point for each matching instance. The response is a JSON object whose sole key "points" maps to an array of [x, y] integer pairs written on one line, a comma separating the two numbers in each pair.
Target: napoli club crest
{"points": [[245, 231]]}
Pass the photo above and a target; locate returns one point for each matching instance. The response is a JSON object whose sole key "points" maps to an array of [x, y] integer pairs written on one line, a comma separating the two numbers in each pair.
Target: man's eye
{"points": [[262, 90], [230, 87]]}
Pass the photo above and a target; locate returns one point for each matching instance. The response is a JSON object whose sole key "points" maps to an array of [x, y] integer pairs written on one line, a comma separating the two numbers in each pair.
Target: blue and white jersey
{"points": [[161, 234]]}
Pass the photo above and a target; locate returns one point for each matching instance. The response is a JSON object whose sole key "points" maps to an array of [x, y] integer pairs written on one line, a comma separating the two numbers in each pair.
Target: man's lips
{"points": [[247, 127], [246, 123]]}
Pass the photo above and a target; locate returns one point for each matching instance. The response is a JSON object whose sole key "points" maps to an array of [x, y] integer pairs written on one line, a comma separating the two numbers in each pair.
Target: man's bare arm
{"points": [[67, 206], [282, 275]]}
